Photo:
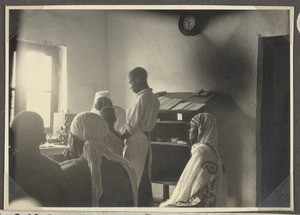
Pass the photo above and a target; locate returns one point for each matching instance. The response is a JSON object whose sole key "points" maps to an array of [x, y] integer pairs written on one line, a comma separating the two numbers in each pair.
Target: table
{"points": [[51, 149]]}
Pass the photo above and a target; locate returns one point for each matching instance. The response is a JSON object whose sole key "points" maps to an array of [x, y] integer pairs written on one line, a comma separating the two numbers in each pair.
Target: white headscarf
{"points": [[195, 177], [101, 94], [208, 126], [92, 129]]}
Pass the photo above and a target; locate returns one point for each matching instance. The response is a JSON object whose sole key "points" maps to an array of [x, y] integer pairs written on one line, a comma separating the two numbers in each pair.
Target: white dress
{"points": [[203, 181]]}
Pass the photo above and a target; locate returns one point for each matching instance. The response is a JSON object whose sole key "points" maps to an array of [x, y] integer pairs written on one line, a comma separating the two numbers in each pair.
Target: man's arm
{"points": [[135, 117]]}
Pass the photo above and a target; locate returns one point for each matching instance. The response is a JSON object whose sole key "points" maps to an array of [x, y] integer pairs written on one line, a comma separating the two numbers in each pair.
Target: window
{"points": [[38, 80], [38, 84]]}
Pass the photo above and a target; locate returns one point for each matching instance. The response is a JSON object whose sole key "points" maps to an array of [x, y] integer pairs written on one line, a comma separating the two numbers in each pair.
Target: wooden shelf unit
{"points": [[169, 159]]}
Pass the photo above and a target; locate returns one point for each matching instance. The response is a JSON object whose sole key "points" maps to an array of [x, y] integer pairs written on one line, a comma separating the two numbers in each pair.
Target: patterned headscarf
{"points": [[207, 123], [92, 129]]}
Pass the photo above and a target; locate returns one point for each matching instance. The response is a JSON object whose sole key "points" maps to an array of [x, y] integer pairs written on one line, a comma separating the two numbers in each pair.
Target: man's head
{"points": [[27, 131], [137, 79], [108, 114], [103, 102]]}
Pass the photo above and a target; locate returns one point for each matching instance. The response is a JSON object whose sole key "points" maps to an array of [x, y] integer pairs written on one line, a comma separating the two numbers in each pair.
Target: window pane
{"points": [[12, 105], [39, 102], [13, 75], [37, 70]]}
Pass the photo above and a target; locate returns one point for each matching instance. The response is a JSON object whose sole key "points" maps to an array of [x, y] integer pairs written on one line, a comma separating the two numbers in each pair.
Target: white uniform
{"points": [[141, 117]]}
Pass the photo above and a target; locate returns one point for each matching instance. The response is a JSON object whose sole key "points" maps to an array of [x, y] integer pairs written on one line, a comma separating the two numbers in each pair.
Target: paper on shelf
{"points": [[170, 104], [163, 100], [181, 106], [194, 106]]}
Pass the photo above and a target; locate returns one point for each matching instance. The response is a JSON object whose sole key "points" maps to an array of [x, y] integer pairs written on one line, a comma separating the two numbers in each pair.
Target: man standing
{"points": [[140, 120]]}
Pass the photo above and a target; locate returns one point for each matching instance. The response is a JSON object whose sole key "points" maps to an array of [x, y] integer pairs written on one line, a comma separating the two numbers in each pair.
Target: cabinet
{"points": [[169, 157]]}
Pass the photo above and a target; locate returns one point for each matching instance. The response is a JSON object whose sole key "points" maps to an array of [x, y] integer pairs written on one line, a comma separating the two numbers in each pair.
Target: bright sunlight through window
{"points": [[38, 84]]}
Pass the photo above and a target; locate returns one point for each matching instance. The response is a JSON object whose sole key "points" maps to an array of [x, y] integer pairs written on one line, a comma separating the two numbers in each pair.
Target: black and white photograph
{"points": [[157, 108]]}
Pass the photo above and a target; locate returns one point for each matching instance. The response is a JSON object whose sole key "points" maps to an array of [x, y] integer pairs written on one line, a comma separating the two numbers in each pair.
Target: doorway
{"points": [[273, 119]]}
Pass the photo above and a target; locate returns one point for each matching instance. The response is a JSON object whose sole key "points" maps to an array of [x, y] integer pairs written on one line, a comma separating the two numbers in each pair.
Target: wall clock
{"points": [[189, 24]]}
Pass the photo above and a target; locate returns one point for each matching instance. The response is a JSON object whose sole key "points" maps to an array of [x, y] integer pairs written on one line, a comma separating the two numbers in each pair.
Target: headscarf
{"points": [[101, 94], [207, 124], [203, 179], [92, 129]]}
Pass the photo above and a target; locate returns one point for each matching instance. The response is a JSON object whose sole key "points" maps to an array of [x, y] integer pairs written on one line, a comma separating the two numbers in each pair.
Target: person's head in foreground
{"points": [[203, 181], [86, 127], [35, 174], [137, 79], [26, 132], [87, 133]]}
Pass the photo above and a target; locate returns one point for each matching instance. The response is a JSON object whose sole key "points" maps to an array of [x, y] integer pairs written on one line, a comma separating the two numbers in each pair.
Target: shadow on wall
{"points": [[232, 73], [230, 68], [232, 125]]}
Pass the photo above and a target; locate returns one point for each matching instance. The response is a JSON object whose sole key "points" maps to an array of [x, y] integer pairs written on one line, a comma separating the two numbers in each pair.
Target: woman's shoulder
{"points": [[201, 149]]}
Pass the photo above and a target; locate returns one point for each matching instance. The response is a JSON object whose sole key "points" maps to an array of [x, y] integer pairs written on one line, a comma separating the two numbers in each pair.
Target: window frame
{"points": [[49, 49]]}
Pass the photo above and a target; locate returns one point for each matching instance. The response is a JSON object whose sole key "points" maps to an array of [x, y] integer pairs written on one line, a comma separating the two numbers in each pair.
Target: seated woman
{"points": [[203, 181], [97, 176], [112, 139], [34, 174]]}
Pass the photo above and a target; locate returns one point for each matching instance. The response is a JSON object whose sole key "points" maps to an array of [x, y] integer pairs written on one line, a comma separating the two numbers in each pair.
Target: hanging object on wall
{"points": [[190, 24]]}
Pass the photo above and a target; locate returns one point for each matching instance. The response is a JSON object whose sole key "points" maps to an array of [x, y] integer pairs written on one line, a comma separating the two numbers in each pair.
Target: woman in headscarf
{"points": [[203, 181], [97, 176]]}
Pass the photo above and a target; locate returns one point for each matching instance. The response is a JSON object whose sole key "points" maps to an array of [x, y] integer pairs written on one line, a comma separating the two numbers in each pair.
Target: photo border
{"points": [[157, 7]]}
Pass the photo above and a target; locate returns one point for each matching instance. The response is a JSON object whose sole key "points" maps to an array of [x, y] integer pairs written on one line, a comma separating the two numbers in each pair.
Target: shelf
{"points": [[189, 97], [169, 144], [172, 122], [180, 111]]}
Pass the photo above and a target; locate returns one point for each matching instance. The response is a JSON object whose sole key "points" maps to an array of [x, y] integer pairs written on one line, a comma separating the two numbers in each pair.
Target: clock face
{"points": [[189, 22]]}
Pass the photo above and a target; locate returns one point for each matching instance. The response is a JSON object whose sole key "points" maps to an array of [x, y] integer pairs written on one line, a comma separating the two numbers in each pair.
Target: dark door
{"points": [[274, 116]]}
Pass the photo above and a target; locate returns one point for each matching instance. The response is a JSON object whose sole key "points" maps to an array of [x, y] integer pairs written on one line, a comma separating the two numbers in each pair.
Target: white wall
{"points": [[222, 58], [84, 34]]}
